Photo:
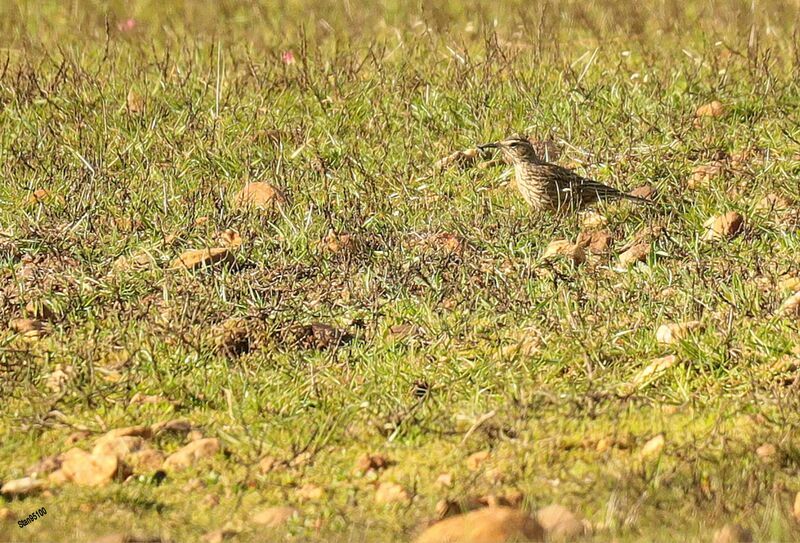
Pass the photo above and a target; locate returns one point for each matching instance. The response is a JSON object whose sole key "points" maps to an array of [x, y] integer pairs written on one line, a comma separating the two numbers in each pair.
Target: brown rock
{"points": [[18, 488], [28, 328], [653, 447], [488, 525], [118, 446], [391, 493], [444, 480], [146, 460], [371, 462], [274, 517], [712, 109], [773, 202], [563, 248], [767, 453], [560, 524], [194, 259], [598, 242], [218, 536], [336, 243], [190, 454], [259, 195], [230, 238], [310, 492], [636, 253], [724, 226], [733, 533], [796, 507], [39, 196], [86, 469], [177, 426], [703, 174], [476, 460], [267, 464], [39, 310], [648, 192]]}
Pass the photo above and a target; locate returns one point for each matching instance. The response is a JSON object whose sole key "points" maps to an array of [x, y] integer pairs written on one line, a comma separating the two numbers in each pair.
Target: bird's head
{"points": [[515, 149]]}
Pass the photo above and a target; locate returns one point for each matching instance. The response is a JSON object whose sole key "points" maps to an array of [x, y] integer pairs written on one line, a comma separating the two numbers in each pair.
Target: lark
{"points": [[550, 187]]}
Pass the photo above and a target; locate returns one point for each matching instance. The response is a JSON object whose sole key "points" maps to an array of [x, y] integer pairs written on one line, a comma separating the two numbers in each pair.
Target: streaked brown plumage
{"points": [[550, 187]]}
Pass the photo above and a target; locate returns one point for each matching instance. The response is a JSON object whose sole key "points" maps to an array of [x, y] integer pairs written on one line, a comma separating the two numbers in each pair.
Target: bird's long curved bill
{"points": [[488, 146]]}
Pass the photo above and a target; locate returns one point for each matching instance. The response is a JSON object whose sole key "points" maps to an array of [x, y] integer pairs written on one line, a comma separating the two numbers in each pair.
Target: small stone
{"points": [[703, 174], [230, 238], [598, 242], [712, 109], [259, 195], [310, 492], [733, 533], [336, 243], [767, 453], [563, 248], [653, 447], [559, 523], [18, 488], [267, 464], [371, 462], [190, 454], [648, 192], [674, 332], [475, 460], [724, 226], [194, 259], [387, 493], [444, 480], [218, 536], [39, 310], [636, 253], [773, 202], [487, 525], [118, 446], [58, 379], [274, 517], [28, 328]]}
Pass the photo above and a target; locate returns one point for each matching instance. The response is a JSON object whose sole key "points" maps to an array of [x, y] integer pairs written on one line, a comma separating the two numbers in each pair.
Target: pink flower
{"points": [[127, 25], [287, 57]]}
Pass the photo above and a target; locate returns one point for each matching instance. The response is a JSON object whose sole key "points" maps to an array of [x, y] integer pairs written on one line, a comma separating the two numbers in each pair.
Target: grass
{"points": [[349, 132]]}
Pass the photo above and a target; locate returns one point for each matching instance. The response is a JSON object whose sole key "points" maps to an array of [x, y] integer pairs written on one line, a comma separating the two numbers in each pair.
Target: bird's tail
{"points": [[595, 191]]}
